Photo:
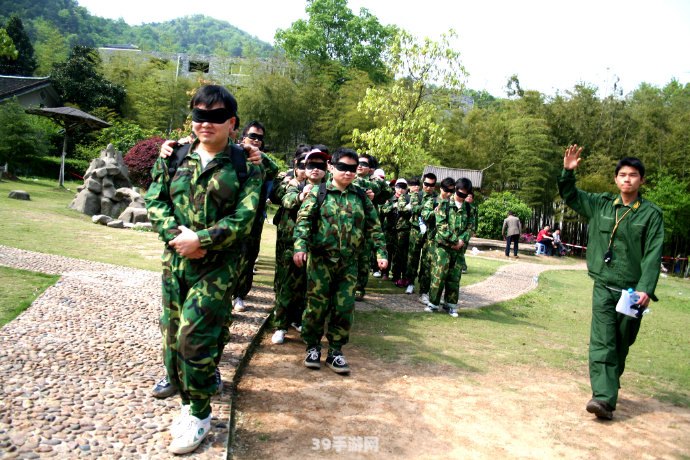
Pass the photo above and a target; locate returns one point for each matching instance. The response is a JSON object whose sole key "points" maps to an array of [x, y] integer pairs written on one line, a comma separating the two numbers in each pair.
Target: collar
{"points": [[635, 205]]}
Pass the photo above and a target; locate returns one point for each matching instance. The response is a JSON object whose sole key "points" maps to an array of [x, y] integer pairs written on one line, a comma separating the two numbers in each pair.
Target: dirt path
{"points": [[383, 410]]}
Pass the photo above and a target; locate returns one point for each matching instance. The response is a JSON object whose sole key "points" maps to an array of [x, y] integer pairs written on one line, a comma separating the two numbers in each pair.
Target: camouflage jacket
{"points": [[344, 223], [404, 210], [380, 188], [291, 204], [452, 223], [209, 202]]}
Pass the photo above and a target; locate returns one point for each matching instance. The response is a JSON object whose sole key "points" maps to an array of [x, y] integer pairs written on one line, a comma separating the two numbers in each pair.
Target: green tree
{"points": [[494, 210], [79, 80], [50, 46], [22, 138], [25, 63], [334, 33], [406, 112], [7, 49], [673, 197]]}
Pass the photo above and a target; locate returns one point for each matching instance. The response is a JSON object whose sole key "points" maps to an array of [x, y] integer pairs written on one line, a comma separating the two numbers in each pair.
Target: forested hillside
{"points": [[192, 34]]}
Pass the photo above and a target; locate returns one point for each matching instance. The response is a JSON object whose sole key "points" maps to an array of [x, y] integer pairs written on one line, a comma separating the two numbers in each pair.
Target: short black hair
{"points": [[300, 151], [210, 95], [448, 182], [633, 163], [343, 152], [253, 124], [237, 123], [321, 147], [464, 184], [430, 175], [510, 213], [413, 181]]}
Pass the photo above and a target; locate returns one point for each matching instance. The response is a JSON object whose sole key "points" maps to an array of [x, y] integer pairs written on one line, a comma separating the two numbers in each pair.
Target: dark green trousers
{"points": [[330, 291], [416, 242], [446, 271], [290, 291], [610, 339], [196, 294], [425, 266]]}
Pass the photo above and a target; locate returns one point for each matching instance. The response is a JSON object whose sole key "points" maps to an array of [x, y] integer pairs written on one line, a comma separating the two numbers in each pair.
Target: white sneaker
{"points": [[238, 304], [298, 327], [452, 310], [179, 422], [377, 274], [190, 435], [278, 336], [424, 298], [410, 289], [431, 308]]}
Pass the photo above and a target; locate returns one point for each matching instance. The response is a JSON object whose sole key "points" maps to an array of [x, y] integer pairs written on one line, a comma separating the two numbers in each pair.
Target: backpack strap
{"points": [[175, 160], [239, 162]]}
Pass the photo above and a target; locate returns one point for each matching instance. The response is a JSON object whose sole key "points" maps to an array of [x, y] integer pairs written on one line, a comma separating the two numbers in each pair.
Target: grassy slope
{"points": [[18, 289]]}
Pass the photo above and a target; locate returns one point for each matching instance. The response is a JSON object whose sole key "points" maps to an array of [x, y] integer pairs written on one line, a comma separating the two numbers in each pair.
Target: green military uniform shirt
{"points": [[637, 243], [453, 223], [345, 221]]}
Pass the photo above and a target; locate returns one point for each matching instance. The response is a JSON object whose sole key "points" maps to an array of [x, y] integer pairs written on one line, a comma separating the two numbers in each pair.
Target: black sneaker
{"points": [[337, 362], [219, 382], [313, 359], [163, 389], [601, 409], [359, 296]]}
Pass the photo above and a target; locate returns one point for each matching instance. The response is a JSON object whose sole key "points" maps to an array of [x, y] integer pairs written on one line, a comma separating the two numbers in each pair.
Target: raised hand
{"points": [[571, 158]]}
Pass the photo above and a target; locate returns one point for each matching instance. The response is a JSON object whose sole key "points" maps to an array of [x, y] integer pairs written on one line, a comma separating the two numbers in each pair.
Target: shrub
{"points": [[141, 158], [494, 210]]}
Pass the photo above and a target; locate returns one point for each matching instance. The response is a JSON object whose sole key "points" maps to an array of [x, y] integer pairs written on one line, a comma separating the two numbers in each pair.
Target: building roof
{"points": [[11, 85], [472, 174], [70, 117]]}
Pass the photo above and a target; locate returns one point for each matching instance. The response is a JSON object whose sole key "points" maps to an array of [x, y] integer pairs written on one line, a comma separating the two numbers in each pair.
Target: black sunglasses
{"points": [[301, 165], [426, 184], [320, 166], [363, 164], [256, 137], [447, 190], [460, 194], [344, 167]]}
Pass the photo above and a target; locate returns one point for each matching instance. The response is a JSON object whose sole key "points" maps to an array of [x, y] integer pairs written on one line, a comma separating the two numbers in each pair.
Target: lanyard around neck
{"points": [[615, 227]]}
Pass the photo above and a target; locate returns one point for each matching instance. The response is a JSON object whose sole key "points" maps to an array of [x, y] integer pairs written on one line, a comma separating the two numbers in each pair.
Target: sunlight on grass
{"points": [[18, 289]]}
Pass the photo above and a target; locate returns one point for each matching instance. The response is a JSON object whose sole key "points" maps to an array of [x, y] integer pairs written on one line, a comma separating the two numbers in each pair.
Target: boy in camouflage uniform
{"points": [[292, 287], [417, 236], [201, 214], [428, 250], [332, 234], [453, 232]]}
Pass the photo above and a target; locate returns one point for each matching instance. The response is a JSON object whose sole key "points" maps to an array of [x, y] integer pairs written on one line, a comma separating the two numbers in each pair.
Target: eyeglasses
{"points": [[363, 164], [319, 166], [460, 194], [256, 137], [301, 165], [344, 167], [426, 184]]}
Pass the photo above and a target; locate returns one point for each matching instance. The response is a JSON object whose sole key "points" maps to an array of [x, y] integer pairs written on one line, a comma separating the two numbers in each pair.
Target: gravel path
{"points": [[509, 281], [76, 368]]}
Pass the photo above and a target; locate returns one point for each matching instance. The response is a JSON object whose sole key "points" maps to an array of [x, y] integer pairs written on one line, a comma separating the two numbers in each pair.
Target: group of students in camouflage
{"points": [[338, 222]]}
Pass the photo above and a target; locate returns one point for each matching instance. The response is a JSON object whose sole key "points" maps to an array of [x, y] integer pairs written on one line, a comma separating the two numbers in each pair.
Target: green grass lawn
{"points": [[18, 289], [548, 327]]}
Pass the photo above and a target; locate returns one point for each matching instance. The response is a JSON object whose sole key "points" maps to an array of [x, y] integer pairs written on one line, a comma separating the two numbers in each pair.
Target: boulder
{"points": [[116, 224], [19, 195], [86, 202], [93, 185], [101, 219], [134, 215]]}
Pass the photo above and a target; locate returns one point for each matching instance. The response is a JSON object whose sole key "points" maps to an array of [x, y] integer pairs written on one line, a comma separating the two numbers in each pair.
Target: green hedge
{"points": [[49, 167]]}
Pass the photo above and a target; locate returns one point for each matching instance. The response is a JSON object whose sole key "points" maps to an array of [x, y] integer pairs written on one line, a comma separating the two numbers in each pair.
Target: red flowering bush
{"points": [[140, 159]]}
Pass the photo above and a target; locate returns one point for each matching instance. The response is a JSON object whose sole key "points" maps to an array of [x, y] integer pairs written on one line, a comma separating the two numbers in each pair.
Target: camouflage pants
{"points": [[364, 266], [446, 270], [400, 260], [250, 251], [391, 247], [425, 266], [413, 262], [330, 291], [196, 295], [290, 290]]}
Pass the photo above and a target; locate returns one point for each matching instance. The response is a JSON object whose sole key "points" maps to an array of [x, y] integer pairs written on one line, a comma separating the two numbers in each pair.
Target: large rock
{"points": [[134, 215], [101, 219], [20, 195], [116, 224], [87, 202], [93, 186]]}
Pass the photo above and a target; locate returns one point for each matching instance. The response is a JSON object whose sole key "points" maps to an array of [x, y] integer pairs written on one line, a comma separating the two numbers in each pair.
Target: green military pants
{"points": [[364, 266], [290, 291], [446, 270], [330, 291], [196, 294], [416, 243], [611, 336], [402, 247], [425, 266]]}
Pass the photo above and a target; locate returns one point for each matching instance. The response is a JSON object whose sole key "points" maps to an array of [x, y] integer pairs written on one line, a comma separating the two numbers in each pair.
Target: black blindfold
{"points": [[217, 116]]}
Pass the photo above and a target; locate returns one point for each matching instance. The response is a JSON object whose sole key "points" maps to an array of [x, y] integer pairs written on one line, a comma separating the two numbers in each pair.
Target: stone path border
{"points": [[76, 368]]}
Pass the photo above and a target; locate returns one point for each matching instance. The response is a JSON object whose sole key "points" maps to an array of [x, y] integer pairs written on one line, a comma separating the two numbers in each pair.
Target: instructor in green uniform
{"points": [[626, 236]]}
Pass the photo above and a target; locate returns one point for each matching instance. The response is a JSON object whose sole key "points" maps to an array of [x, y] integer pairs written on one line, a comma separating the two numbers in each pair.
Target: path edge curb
{"points": [[241, 366]]}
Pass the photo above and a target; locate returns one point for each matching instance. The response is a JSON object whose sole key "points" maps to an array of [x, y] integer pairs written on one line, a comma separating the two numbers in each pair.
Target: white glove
{"points": [[422, 228]]}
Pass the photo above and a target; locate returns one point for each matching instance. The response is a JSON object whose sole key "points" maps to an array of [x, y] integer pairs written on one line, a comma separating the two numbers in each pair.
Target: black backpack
{"points": [[237, 156]]}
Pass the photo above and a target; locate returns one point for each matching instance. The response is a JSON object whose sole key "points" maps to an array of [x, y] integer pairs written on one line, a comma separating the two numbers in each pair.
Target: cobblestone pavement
{"points": [[76, 368], [509, 281]]}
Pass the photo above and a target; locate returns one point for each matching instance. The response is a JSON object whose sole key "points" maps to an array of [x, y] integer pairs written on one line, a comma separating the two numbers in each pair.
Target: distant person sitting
{"points": [[544, 241], [558, 247]]}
